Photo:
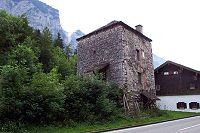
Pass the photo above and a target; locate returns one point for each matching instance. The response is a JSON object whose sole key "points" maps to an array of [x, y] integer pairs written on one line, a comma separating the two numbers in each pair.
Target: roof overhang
{"points": [[114, 24], [176, 64], [150, 95]]}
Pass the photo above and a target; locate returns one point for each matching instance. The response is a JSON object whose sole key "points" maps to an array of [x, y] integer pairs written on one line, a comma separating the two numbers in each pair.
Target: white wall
{"points": [[169, 102]]}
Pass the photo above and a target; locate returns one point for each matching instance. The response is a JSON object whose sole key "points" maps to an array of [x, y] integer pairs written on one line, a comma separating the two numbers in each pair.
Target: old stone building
{"points": [[123, 55]]}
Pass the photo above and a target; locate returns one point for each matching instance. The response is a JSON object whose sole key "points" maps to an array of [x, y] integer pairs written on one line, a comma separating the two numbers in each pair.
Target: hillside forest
{"points": [[38, 81]]}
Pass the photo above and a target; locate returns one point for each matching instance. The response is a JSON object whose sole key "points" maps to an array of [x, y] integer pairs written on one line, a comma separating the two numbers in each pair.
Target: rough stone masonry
{"points": [[124, 56]]}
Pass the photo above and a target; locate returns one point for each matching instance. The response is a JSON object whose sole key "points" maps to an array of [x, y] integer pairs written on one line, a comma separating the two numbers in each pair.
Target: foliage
{"points": [[65, 66], [46, 47], [41, 101], [12, 127], [44, 98], [23, 56], [38, 82], [58, 42], [88, 98], [13, 79], [13, 30], [68, 50]]}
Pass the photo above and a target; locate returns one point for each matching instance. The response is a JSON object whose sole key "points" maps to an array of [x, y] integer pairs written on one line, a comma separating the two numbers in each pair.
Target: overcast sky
{"points": [[173, 25]]}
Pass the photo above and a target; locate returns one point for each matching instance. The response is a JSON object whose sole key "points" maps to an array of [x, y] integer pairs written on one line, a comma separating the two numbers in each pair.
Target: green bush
{"points": [[12, 80], [12, 127], [43, 99], [88, 98]]}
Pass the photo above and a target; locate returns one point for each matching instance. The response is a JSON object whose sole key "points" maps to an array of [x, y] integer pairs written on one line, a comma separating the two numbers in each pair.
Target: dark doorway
{"points": [[103, 72], [148, 100]]}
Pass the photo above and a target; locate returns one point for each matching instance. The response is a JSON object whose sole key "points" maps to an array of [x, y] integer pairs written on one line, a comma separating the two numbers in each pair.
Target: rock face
{"points": [[72, 38], [157, 61], [38, 13], [123, 55]]}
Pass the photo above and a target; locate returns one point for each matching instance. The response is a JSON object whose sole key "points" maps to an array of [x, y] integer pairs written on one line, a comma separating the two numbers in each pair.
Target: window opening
{"points": [[139, 78], [138, 54], [166, 73], [194, 105], [181, 105]]}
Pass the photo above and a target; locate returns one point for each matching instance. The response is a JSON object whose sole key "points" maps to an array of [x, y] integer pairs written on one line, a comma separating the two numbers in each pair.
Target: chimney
{"points": [[139, 28]]}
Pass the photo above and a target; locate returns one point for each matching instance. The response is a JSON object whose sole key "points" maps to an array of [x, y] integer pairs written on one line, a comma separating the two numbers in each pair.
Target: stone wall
{"points": [[131, 43], [99, 50]]}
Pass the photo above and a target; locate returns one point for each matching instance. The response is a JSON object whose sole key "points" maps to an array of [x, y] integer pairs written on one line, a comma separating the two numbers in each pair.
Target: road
{"points": [[187, 125]]}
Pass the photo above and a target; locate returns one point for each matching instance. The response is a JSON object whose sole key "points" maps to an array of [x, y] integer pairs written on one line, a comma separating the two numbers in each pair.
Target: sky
{"points": [[173, 25]]}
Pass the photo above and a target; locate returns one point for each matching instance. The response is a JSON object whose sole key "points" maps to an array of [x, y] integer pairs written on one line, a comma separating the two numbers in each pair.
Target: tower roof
{"points": [[112, 25]]}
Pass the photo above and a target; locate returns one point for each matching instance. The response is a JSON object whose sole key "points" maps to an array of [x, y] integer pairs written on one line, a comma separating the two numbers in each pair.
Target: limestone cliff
{"points": [[73, 36], [38, 13], [157, 61]]}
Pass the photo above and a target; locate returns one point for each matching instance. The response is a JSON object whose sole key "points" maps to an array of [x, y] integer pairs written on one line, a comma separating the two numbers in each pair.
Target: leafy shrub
{"points": [[88, 98], [12, 80], [12, 127], [43, 99], [65, 66]]}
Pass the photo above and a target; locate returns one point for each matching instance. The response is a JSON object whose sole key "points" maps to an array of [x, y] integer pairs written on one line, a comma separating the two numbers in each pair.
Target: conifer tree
{"points": [[46, 47], [68, 50], [58, 41]]}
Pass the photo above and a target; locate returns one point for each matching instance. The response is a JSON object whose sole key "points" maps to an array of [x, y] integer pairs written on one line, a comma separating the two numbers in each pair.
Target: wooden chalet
{"points": [[177, 86]]}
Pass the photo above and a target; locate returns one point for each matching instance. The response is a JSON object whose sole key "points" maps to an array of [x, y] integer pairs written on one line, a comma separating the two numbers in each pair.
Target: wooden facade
{"points": [[172, 79]]}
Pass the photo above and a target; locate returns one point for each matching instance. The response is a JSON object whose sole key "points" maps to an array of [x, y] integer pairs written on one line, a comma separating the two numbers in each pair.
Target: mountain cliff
{"points": [[73, 36], [38, 13], [157, 61]]}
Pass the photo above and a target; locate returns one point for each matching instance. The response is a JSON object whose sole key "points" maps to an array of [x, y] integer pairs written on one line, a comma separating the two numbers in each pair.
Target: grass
{"points": [[119, 123]]}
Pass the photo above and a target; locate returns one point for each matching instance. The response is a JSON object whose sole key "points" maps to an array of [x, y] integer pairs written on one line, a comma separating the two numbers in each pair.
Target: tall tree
{"points": [[13, 31], [68, 50], [58, 41], [46, 47]]}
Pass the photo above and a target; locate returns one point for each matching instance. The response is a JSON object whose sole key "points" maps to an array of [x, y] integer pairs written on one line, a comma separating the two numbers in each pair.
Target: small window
{"points": [[166, 73], [192, 86], [181, 105], [139, 78], [175, 72], [157, 87], [138, 54], [194, 105], [143, 55]]}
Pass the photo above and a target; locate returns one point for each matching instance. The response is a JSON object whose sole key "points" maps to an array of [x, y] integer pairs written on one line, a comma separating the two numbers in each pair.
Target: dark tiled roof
{"points": [[176, 64], [111, 25]]}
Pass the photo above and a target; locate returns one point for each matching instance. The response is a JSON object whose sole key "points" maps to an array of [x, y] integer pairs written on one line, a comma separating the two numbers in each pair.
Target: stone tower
{"points": [[123, 55]]}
